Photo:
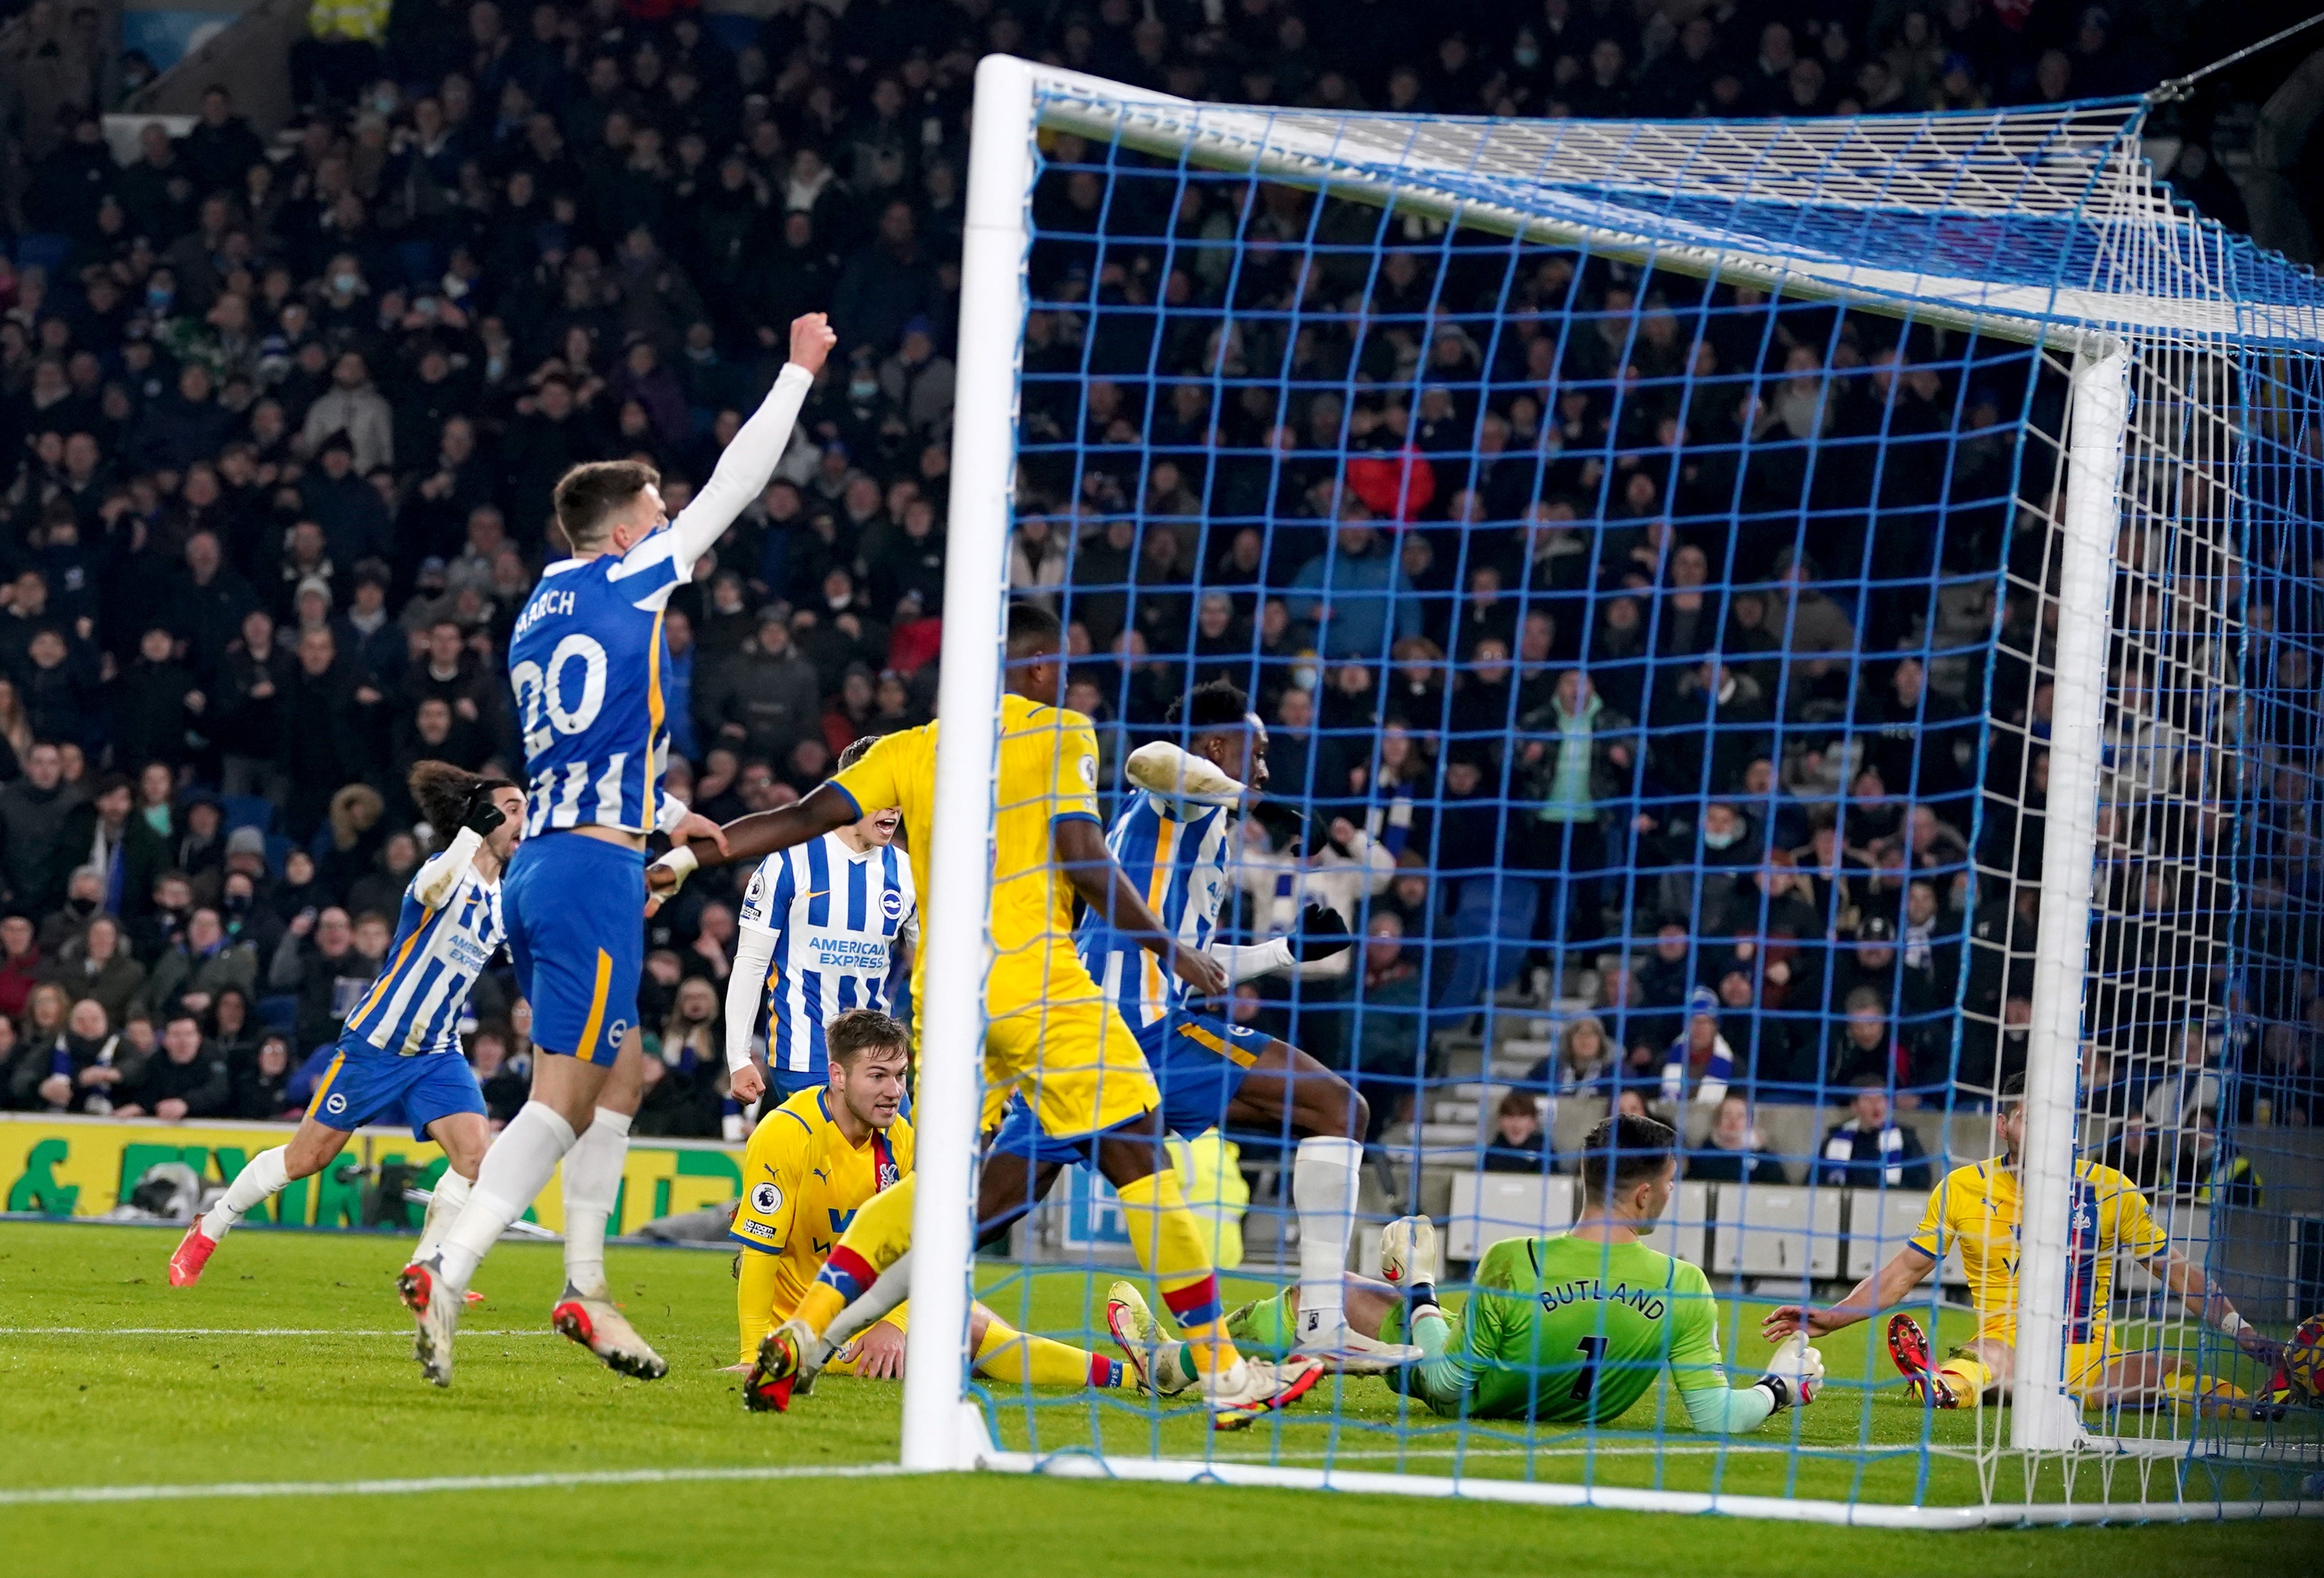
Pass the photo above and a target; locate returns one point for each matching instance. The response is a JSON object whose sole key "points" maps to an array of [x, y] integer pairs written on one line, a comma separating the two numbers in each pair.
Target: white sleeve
{"points": [[1245, 964], [442, 875], [743, 471], [754, 950]]}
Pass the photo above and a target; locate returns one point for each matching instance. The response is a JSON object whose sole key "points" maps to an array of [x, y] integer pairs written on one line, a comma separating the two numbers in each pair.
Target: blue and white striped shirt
{"points": [[586, 664], [417, 1003], [1176, 855], [834, 916]]}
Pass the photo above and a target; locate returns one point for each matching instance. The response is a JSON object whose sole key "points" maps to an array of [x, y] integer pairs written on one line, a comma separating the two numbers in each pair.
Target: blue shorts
{"points": [[1199, 1062], [784, 1081], [365, 1085], [575, 907]]}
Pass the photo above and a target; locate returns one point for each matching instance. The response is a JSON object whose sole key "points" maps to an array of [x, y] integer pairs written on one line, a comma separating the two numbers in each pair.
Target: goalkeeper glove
{"points": [[1165, 769], [1321, 935], [1794, 1374], [483, 818]]}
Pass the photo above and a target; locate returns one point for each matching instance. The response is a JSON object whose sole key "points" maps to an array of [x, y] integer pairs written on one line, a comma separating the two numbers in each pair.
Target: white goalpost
{"points": [[2044, 228]]}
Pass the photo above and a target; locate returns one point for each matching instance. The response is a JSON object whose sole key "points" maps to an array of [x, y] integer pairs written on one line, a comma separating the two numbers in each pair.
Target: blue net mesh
{"points": [[1656, 672]]}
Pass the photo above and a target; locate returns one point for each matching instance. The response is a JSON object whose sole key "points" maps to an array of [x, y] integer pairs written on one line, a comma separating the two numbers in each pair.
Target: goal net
{"points": [[1799, 629]]}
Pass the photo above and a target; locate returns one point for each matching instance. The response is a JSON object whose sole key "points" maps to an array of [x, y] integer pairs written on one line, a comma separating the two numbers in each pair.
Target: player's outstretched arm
{"points": [[1884, 1287], [2186, 1279], [741, 473], [752, 837], [1090, 870]]}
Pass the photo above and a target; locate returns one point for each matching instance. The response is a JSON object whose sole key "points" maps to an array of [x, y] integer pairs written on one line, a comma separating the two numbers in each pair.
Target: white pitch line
{"points": [[263, 1487], [240, 1332]]}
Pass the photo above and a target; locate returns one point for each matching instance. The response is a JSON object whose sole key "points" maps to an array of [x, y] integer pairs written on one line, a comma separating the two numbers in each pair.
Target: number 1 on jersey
{"points": [[1592, 1350]]}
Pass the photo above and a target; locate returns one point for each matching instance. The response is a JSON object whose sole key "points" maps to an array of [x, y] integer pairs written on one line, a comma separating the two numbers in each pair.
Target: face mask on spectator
{"points": [[158, 298], [863, 390], [344, 284]]}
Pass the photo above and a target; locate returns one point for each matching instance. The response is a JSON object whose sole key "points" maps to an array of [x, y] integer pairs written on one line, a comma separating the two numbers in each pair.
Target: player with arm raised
{"points": [[399, 1054], [586, 663], [821, 927], [1567, 1330], [1174, 840], [811, 1165], [1977, 1207], [1051, 1035]]}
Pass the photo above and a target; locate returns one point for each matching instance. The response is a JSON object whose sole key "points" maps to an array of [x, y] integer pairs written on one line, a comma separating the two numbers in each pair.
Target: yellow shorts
{"points": [[2085, 1362], [843, 1362], [1052, 1036]]}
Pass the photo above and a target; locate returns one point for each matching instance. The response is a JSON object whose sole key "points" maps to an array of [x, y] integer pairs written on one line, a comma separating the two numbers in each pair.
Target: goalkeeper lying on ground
{"points": [[1561, 1331]]}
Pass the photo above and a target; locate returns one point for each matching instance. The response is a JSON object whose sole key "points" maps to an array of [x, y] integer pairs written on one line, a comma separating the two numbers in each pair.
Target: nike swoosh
{"points": [[819, 893]]}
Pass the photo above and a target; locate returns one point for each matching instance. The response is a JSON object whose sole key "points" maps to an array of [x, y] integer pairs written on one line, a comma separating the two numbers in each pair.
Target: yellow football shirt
{"points": [[1977, 1208], [802, 1183], [1045, 772]]}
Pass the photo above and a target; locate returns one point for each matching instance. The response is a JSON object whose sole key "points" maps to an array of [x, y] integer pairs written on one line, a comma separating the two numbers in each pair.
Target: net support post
{"points": [[951, 1013], [2044, 1417]]}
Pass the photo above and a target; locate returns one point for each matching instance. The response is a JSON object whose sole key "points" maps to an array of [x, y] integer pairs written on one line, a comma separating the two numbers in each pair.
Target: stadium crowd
{"points": [[1557, 583]]}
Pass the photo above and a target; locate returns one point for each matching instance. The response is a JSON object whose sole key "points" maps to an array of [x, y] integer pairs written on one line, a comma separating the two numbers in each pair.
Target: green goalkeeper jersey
{"points": [[1565, 1331]]}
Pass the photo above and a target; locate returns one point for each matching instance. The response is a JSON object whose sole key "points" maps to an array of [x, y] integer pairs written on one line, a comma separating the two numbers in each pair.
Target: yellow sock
{"points": [[1175, 1252], [875, 1240], [755, 1278], [1969, 1378], [1009, 1354]]}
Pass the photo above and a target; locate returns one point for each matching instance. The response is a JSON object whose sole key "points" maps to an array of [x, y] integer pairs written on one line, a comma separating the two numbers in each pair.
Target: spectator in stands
{"points": [[1701, 1064], [202, 964], [2211, 1170], [96, 967], [261, 1084], [185, 1079], [1519, 1142], [1391, 1052], [1870, 1149], [319, 961], [1584, 1064], [1734, 1151]]}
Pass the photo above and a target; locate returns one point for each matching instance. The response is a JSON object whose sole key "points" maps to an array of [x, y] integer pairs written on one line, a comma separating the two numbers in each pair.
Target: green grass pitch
{"points": [[86, 1403]]}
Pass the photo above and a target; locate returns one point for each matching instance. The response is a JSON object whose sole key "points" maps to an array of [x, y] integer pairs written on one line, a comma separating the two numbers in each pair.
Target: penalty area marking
{"points": [[251, 1489]]}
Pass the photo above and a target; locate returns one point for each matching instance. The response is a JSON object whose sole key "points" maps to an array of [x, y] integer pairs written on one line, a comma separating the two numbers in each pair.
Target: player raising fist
{"points": [[585, 662]]}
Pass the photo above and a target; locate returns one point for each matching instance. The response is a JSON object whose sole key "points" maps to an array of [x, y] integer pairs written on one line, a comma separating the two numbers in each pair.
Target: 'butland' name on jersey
{"points": [[1647, 1301]]}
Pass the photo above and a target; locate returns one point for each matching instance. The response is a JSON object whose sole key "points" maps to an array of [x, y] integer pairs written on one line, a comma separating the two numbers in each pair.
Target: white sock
{"points": [[261, 1176], [1323, 1181], [444, 1203], [890, 1288], [516, 1169], [593, 1184]]}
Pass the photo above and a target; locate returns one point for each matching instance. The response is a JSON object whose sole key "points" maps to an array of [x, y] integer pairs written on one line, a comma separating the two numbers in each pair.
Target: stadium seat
{"points": [[1760, 1230], [247, 811], [1488, 1208], [1879, 1221]]}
